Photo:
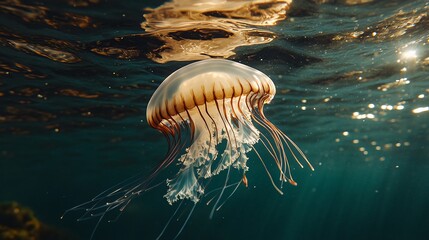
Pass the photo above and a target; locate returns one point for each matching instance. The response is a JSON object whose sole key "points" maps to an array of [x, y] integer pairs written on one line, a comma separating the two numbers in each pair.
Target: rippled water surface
{"points": [[352, 91]]}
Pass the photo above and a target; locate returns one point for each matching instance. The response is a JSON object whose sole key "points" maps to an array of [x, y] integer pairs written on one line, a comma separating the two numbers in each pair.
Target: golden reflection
{"points": [[82, 3], [42, 14], [44, 51], [205, 41], [8, 69], [53, 49], [391, 28], [346, 2], [77, 93], [120, 53], [189, 12], [195, 30], [19, 114], [396, 83]]}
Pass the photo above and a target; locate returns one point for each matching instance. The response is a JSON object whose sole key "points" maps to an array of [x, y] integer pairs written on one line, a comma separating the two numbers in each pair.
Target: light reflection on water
{"points": [[75, 78]]}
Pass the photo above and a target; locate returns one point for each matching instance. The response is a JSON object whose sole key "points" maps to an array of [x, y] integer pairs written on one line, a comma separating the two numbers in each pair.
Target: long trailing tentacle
{"points": [[221, 193], [169, 220], [186, 221], [120, 195]]}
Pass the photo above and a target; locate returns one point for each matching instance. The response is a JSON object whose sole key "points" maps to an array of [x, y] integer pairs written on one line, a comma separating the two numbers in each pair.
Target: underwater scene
{"points": [[206, 119]]}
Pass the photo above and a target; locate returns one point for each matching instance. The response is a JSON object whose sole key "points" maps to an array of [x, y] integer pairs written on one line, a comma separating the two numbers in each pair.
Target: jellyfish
{"points": [[216, 100], [211, 113]]}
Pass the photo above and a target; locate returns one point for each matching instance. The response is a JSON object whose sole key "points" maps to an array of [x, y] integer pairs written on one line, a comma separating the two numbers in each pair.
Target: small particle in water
{"points": [[345, 133], [57, 130], [397, 166], [386, 107], [382, 159], [388, 146], [355, 141], [421, 96], [371, 105], [420, 109], [399, 107]]}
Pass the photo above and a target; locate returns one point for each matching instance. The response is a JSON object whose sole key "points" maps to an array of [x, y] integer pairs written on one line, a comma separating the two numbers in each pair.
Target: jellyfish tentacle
{"points": [[251, 102], [191, 123], [169, 220], [225, 154], [204, 162], [186, 221], [296, 147], [230, 195], [221, 193], [282, 161], [228, 156], [227, 115], [215, 134], [267, 171]]}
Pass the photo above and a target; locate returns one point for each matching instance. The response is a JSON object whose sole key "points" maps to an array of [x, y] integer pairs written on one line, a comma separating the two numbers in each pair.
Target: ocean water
{"points": [[352, 82]]}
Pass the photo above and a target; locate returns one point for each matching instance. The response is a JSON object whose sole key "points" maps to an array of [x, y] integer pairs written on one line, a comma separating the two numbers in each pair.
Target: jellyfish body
{"points": [[215, 101]]}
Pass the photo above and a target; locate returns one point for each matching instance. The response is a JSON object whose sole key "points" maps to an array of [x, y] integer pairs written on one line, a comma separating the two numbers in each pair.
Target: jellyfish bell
{"points": [[211, 113]]}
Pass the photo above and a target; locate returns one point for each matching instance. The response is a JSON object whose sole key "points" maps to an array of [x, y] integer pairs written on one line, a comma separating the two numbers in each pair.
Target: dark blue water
{"points": [[352, 91]]}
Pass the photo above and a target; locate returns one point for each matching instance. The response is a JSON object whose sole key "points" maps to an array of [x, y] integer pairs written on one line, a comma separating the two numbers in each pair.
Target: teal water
{"points": [[352, 91]]}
